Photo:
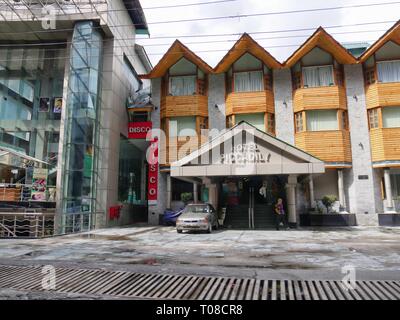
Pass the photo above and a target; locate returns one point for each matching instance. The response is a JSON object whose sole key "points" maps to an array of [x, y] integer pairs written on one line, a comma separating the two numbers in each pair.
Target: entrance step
{"points": [[237, 217]]}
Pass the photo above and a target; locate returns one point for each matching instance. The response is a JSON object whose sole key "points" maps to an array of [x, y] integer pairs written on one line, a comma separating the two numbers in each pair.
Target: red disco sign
{"points": [[152, 186], [139, 130]]}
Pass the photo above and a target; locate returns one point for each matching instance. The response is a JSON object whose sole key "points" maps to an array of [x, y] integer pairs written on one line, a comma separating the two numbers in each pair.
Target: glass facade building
{"points": [[81, 130]]}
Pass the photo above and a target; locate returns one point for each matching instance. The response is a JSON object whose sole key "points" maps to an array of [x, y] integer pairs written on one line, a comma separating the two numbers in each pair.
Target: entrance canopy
{"points": [[243, 150]]}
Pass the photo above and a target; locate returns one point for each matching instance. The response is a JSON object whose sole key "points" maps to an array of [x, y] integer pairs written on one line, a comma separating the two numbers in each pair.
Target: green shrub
{"points": [[328, 202], [186, 197]]}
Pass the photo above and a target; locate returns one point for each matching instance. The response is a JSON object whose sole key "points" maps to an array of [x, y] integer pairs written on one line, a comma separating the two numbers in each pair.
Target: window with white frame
{"points": [[391, 117], [299, 121], [321, 76], [388, 71], [322, 120], [248, 81], [373, 118], [182, 85]]}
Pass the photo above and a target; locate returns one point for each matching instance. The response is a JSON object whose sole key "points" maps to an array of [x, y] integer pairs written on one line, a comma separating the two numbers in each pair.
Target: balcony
{"points": [[333, 97], [383, 95], [385, 144], [329, 146], [180, 106], [250, 102]]}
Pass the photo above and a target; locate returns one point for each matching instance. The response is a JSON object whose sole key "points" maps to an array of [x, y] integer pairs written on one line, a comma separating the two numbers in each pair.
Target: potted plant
{"points": [[328, 202], [186, 197]]}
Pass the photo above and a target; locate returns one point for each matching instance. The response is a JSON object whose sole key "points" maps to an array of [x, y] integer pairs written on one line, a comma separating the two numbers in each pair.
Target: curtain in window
{"points": [[249, 81], [183, 86], [391, 117], [322, 120], [255, 119], [182, 127], [389, 71], [318, 76]]}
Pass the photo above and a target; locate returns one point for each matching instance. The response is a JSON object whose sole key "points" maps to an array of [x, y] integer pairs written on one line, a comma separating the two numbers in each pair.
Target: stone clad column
{"points": [[342, 199], [388, 188], [284, 115], [291, 200], [362, 196]]}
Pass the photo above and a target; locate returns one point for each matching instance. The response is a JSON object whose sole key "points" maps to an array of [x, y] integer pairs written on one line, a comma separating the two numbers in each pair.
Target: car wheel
{"points": [[209, 228], [179, 231], [216, 226]]}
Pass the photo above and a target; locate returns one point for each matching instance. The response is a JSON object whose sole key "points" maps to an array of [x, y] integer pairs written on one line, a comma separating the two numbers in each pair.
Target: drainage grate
{"points": [[162, 286]]}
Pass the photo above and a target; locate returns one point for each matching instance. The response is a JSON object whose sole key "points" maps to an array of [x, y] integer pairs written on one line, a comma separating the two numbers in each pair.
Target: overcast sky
{"points": [[155, 47]]}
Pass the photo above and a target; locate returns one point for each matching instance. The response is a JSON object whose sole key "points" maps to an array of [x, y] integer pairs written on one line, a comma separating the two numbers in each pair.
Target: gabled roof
{"points": [[243, 45], [177, 51], [324, 41], [307, 163], [393, 34]]}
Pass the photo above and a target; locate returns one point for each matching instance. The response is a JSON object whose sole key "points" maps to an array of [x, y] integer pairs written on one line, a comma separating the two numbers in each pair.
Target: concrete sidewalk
{"points": [[303, 253]]}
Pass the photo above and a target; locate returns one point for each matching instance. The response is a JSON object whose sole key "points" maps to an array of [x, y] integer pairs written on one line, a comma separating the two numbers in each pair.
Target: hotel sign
{"points": [[248, 153], [139, 130]]}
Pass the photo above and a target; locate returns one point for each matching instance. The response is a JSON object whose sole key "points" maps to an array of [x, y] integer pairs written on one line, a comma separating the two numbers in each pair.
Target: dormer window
{"points": [[248, 81], [182, 85], [248, 74], [388, 71], [321, 76]]}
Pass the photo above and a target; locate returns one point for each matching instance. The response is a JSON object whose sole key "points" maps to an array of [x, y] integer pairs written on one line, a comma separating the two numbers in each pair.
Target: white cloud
{"points": [[261, 24]]}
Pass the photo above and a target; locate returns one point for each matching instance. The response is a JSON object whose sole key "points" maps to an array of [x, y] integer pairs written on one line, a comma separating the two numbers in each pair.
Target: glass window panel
{"points": [[318, 76], [255, 119], [182, 127], [248, 81], [183, 86], [322, 120], [391, 117], [389, 71]]}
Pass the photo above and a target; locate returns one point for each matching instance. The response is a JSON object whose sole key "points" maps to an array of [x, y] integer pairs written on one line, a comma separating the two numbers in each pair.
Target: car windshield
{"points": [[196, 209]]}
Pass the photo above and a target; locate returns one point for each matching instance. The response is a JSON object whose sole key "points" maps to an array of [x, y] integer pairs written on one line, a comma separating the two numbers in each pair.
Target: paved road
{"points": [[307, 253]]}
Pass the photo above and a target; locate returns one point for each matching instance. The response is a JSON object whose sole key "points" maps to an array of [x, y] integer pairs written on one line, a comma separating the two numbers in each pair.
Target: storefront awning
{"points": [[18, 158], [244, 150]]}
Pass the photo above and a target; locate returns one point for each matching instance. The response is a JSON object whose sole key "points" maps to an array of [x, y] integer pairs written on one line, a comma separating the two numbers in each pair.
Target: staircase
{"points": [[264, 217], [237, 217]]}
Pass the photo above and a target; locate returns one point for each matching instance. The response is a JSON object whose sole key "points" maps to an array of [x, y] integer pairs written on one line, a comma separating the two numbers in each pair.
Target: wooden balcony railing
{"points": [[250, 102], [333, 97], [385, 144], [383, 95], [175, 106], [329, 146]]}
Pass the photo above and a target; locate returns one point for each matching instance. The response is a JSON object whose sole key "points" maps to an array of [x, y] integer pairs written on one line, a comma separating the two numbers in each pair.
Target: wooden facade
{"points": [[182, 106], [385, 144], [329, 146], [382, 95], [250, 102], [321, 98]]}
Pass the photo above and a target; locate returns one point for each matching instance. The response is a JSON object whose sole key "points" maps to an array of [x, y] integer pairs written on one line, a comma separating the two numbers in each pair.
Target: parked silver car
{"points": [[202, 217]]}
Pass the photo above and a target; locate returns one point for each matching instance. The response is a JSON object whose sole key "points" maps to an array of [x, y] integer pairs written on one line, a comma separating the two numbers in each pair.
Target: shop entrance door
{"points": [[249, 203]]}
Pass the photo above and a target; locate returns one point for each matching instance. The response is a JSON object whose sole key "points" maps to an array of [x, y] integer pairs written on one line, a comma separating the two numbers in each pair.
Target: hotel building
{"points": [[322, 126]]}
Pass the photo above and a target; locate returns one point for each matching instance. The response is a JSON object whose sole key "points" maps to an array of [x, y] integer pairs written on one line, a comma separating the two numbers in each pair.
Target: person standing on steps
{"points": [[279, 214]]}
